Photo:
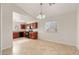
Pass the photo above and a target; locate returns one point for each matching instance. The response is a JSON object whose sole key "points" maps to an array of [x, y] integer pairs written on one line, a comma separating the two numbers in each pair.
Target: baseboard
{"points": [[60, 43], [6, 48]]}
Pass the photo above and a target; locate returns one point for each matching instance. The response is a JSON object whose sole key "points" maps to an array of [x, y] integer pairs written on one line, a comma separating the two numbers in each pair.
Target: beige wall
{"points": [[66, 29], [7, 21]]}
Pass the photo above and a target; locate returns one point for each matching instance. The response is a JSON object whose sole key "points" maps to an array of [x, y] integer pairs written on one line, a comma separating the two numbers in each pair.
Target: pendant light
{"points": [[41, 15]]}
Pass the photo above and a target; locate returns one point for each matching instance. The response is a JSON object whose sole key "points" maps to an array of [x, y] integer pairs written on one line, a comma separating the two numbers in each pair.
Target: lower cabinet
{"points": [[19, 34], [15, 35], [33, 35], [22, 34]]}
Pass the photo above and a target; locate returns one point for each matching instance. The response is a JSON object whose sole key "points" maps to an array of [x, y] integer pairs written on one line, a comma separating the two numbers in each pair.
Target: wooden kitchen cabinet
{"points": [[33, 35], [15, 35], [24, 34], [23, 26], [34, 25]]}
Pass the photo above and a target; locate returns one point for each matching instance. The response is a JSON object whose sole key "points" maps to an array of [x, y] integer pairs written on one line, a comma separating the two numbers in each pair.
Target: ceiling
{"points": [[33, 9]]}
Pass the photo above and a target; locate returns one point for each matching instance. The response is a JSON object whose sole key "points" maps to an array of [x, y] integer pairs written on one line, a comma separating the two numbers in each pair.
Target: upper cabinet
{"points": [[27, 26], [23, 26], [34, 25]]}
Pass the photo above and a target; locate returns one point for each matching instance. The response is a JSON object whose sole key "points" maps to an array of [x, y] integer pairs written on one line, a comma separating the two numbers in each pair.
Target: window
{"points": [[51, 26]]}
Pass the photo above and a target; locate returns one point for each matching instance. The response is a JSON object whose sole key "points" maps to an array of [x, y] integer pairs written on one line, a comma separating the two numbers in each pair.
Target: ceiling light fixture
{"points": [[41, 15]]}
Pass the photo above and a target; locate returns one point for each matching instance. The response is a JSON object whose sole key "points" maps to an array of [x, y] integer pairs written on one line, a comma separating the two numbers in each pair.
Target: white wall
{"points": [[66, 29], [6, 26], [17, 26], [78, 28], [18, 19], [7, 21], [0, 28]]}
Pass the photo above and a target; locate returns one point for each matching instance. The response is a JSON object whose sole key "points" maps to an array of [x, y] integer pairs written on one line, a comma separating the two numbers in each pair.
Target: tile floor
{"points": [[25, 46]]}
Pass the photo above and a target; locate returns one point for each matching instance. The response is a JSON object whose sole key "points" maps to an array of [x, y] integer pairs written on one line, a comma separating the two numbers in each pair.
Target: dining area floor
{"points": [[24, 46]]}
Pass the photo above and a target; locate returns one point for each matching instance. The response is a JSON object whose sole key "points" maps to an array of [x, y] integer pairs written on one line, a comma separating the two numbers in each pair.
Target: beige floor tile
{"points": [[25, 46]]}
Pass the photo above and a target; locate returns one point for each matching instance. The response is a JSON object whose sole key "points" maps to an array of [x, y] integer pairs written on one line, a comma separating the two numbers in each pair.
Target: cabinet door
{"points": [[34, 25], [24, 34], [15, 35], [23, 26], [33, 35]]}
